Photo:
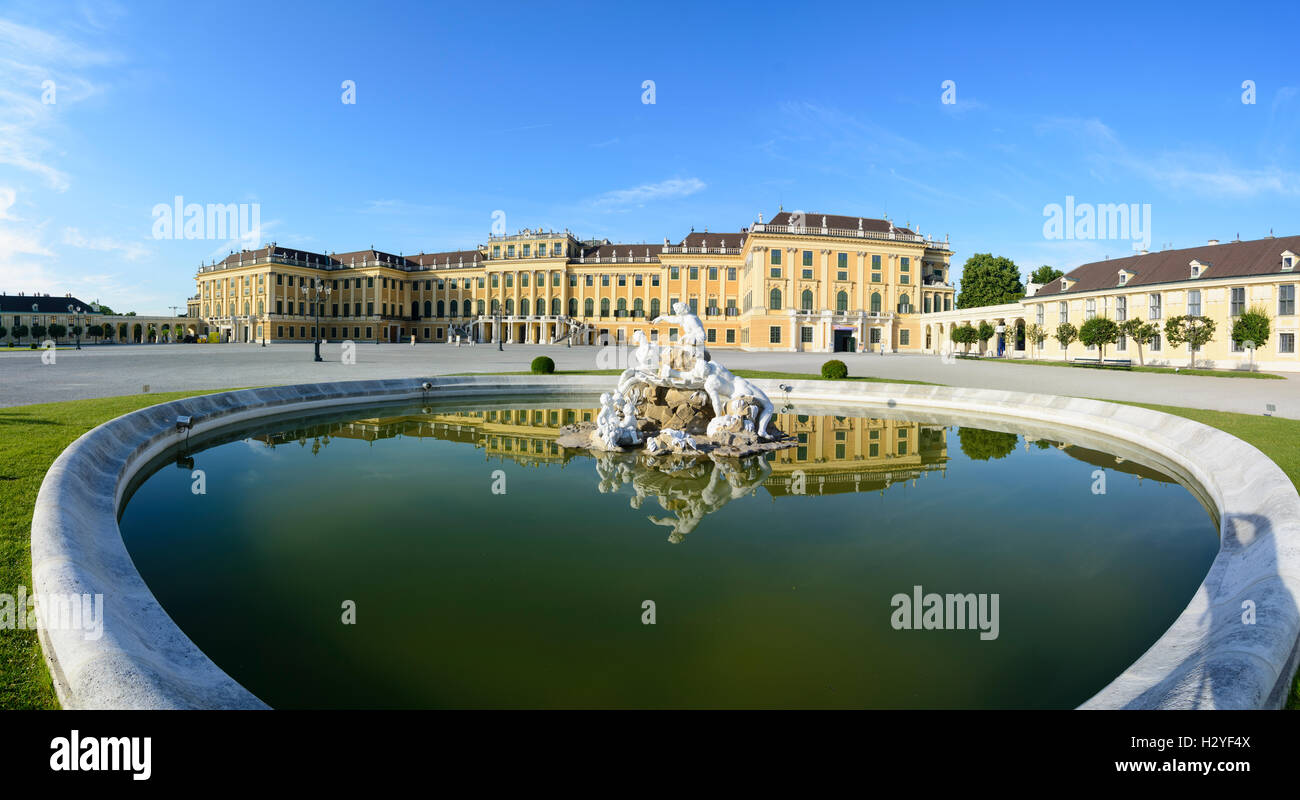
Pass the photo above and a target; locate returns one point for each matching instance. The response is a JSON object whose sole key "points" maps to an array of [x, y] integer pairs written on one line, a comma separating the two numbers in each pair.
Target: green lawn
{"points": [[1209, 373], [31, 437]]}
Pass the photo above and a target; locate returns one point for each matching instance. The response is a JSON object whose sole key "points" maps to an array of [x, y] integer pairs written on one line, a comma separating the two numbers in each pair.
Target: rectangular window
{"points": [[1286, 300], [731, 336], [637, 280], [1194, 302], [496, 251], [1238, 305], [695, 273], [776, 272], [776, 257], [807, 258], [370, 311], [904, 264], [1042, 307], [713, 273], [774, 334], [713, 334], [731, 273], [1153, 306], [1063, 312], [1286, 342], [1155, 343], [904, 337], [654, 280], [807, 274], [842, 261], [805, 335], [1121, 309], [1089, 309], [510, 251], [842, 275]]}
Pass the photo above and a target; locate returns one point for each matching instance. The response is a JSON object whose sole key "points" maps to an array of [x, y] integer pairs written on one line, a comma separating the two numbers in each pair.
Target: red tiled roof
{"points": [[1226, 260]]}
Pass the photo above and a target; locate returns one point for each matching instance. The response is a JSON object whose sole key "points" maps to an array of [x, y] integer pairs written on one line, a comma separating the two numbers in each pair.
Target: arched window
{"points": [[904, 304], [455, 307], [875, 302], [555, 306], [481, 307], [260, 307], [573, 306], [622, 307], [510, 306], [496, 306], [927, 305], [247, 308], [842, 302], [442, 308], [654, 307], [806, 300], [774, 302], [428, 308], [604, 306], [524, 306], [588, 308], [638, 308]]}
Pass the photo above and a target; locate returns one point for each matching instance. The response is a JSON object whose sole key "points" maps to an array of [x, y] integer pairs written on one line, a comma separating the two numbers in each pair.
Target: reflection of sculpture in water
{"points": [[688, 488]]}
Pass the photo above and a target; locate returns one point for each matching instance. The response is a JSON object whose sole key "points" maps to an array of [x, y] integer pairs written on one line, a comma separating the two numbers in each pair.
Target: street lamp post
{"points": [[78, 320], [314, 293], [500, 334]]}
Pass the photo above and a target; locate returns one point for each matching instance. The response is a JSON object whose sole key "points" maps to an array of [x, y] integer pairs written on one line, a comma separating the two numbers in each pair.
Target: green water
{"points": [[772, 580]]}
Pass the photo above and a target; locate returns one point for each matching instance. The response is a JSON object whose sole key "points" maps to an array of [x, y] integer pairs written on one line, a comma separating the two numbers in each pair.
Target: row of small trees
{"points": [[55, 331], [1251, 329]]}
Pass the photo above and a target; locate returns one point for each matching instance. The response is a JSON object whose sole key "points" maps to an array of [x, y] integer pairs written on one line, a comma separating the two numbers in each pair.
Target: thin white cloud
{"points": [[39, 72], [131, 251], [649, 192]]}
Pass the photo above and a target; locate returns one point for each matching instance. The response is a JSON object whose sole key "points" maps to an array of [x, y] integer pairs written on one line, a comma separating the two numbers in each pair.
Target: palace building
{"points": [[1216, 280], [809, 282]]}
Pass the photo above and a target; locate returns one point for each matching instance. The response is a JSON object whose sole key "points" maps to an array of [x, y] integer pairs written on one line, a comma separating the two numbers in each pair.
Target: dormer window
{"points": [[1124, 275], [1288, 261], [1198, 268], [1067, 283]]}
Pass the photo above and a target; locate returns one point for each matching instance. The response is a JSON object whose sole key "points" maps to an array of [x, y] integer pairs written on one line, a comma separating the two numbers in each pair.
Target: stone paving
{"points": [[110, 370]]}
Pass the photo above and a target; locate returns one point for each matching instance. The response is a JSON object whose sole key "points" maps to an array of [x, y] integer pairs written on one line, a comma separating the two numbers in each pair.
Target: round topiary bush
{"points": [[543, 365], [835, 370]]}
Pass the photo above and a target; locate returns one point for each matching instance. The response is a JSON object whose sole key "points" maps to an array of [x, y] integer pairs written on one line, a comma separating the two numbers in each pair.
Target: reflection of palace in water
{"points": [[834, 455]]}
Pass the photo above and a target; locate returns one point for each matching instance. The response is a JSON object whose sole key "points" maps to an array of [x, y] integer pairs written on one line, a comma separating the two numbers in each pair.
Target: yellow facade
{"points": [[1271, 288], [804, 283]]}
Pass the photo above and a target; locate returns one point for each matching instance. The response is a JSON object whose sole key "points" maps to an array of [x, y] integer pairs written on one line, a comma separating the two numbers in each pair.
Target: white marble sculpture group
{"points": [[685, 365]]}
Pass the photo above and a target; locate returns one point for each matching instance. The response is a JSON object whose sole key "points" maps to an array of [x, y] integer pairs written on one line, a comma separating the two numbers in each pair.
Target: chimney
{"points": [[1213, 242]]}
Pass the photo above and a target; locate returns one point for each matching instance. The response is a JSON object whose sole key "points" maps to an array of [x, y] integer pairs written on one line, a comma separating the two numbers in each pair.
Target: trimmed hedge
{"points": [[543, 365], [835, 370]]}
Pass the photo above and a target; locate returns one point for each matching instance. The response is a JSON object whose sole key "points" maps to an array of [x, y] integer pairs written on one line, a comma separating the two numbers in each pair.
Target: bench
{"points": [[1107, 363]]}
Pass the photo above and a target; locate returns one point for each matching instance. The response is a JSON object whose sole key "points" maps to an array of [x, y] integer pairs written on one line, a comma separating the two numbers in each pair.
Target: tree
{"points": [[981, 445], [1099, 332], [95, 331], [966, 335], [1189, 329], [1066, 333], [58, 331], [3, 332], [1045, 274], [1036, 334], [988, 280], [1251, 330], [985, 333], [20, 332], [38, 331], [1142, 334]]}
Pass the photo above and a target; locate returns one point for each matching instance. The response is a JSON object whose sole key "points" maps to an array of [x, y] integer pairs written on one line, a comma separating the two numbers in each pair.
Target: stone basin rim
{"points": [[144, 660]]}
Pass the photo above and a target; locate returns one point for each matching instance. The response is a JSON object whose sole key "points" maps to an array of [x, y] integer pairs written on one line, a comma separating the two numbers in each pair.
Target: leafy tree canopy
{"points": [[982, 445], [1045, 274], [989, 280]]}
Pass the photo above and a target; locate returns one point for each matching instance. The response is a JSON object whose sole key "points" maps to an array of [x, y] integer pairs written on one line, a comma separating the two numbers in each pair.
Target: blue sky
{"points": [[465, 109]]}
